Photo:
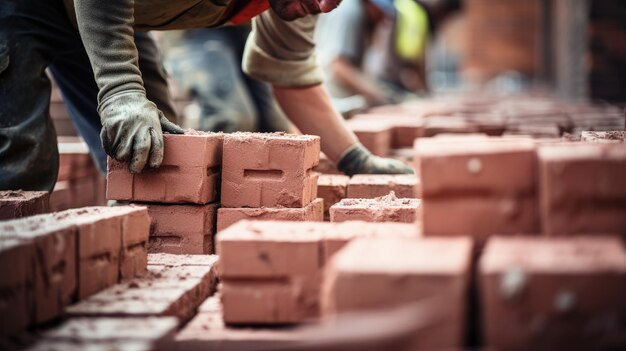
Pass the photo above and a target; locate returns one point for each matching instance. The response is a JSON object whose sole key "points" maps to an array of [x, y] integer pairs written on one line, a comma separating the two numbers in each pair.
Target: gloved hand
{"points": [[132, 130], [359, 160]]}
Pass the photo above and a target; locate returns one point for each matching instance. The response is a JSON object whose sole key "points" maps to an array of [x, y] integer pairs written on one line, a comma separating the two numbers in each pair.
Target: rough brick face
{"points": [[331, 188], [549, 293], [269, 170], [312, 212], [381, 209], [582, 188], [379, 273], [189, 172], [365, 186], [182, 229], [18, 203], [478, 186]]}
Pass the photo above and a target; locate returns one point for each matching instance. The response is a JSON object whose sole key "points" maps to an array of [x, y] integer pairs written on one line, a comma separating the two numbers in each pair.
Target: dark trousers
{"points": [[35, 35]]}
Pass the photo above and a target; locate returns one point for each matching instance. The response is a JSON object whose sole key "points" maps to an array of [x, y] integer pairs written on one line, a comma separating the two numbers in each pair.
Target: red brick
{"points": [[369, 186], [109, 334], [166, 291], [261, 302], [478, 187], [182, 229], [326, 166], [16, 284], [447, 125], [582, 188], [312, 212], [61, 197], [501, 166], [267, 249], [375, 135], [74, 159], [480, 216], [337, 235], [611, 136], [189, 172], [207, 331], [405, 127], [380, 273], [332, 188], [175, 260], [553, 293], [269, 170], [19, 203], [134, 250], [381, 209]]}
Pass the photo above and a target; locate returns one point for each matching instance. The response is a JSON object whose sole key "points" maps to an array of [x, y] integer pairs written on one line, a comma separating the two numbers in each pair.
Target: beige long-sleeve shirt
{"points": [[279, 52]]}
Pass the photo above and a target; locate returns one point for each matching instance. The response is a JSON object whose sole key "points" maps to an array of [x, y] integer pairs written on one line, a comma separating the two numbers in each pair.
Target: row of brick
{"points": [[500, 186], [534, 292], [63, 257], [139, 314], [396, 127]]}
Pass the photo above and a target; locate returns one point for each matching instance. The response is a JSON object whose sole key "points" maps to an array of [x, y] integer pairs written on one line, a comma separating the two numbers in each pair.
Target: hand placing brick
{"points": [[19, 203], [387, 208], [553, 293], [369, 186], [182, 229], [190, 172], [313, 212], [381, 273], [582, 188], [269, 170], [332, 188]]}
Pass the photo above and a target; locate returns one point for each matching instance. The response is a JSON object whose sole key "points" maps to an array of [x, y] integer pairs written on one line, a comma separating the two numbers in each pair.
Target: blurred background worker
{"points": [[373, 52], [206, 64]]}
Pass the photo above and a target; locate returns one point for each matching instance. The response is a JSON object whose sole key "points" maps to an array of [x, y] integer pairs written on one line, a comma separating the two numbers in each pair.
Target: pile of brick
{"points": [[270, 271], [181, 196], [79, 184], [269, 177], [60, 258], [516, 186]]}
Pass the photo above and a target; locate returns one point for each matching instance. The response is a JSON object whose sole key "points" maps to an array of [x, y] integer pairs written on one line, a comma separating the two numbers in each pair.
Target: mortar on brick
{"points": [[386, 208], [19, 203], [313, 212], [369, 186]]}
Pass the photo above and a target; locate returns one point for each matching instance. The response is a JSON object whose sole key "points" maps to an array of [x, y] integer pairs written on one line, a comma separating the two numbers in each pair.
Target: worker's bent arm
{"points": [[106, 29], [309, 108]]}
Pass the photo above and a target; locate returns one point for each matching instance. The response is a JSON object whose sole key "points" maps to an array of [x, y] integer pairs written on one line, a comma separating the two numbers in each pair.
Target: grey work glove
{"points": [[358, 160], [132, 130]]}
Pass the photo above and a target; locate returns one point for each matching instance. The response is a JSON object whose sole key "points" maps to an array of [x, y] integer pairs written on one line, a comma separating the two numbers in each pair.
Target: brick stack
{"points": [[270, 271], [386, 208], [79, 183], [181, 196], [380, 273], [67, 256], [553, 293], [269, 177], [478, 187], [19, 203]]}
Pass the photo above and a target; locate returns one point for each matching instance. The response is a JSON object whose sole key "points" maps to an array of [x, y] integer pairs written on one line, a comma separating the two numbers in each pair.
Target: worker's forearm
{"points": [[107, 34], [310, 110], [349, 76]]}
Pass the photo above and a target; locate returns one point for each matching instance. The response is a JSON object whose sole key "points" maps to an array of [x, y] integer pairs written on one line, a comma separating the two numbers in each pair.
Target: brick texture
{"points": [[332, 188], [365, 186], [312, 212], [18, 203], [269, 170], [381, 209]]}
